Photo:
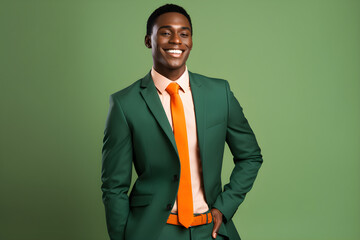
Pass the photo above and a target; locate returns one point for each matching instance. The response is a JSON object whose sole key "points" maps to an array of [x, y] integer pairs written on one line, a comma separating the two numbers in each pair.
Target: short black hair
{"points": [[165, 9]]}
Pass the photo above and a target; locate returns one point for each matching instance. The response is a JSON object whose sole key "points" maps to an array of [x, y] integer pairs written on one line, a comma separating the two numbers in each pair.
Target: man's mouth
{"points": [[174, 52]]}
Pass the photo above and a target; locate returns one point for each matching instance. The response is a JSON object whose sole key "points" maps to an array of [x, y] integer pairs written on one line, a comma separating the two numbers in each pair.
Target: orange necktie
{"points": [[184, 196]]}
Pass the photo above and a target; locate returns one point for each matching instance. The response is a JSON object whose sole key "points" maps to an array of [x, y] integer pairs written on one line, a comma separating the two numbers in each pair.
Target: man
{"points": [[172, 125]]}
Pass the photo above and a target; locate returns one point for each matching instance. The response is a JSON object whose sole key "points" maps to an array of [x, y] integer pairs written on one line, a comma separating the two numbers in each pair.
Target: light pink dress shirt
{"points": [[161, 83]]}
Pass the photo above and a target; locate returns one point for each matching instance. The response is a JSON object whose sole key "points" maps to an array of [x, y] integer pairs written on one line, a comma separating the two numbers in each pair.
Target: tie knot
{"points": [[173, 88]]}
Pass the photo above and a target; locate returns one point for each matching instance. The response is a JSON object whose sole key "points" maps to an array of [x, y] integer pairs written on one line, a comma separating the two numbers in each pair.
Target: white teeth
{"points": [[174, 51]]}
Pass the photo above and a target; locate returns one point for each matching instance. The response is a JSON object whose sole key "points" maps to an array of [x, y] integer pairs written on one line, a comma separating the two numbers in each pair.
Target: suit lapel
{"points": [[198, 93], [150, 95]]}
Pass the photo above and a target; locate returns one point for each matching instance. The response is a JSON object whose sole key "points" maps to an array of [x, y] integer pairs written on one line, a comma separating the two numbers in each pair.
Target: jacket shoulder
{"points": [[209, 81]]}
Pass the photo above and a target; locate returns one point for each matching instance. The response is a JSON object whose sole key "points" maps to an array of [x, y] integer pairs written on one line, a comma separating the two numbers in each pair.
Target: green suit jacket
{"points": [[137, 132]]}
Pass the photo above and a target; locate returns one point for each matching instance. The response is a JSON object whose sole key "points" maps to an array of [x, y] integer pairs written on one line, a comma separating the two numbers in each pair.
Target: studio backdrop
{"points": [[293, 66]]}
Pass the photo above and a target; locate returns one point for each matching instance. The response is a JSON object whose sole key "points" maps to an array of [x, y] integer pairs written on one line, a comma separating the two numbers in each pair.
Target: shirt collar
{"points": [[161, 82]]}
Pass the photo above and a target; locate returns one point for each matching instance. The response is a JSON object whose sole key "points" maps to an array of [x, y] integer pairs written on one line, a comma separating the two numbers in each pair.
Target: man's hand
{"points": [[217, 218]]}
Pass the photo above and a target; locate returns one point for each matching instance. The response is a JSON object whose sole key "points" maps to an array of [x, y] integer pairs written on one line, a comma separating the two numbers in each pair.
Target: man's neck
{"points": [[170, 73]]}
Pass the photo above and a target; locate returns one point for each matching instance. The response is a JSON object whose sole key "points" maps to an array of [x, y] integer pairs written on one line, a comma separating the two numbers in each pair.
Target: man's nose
{"points": [[175, 39]]}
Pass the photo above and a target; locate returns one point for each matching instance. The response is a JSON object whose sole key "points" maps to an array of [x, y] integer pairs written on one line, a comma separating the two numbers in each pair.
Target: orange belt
{"points": [[200, 219]]}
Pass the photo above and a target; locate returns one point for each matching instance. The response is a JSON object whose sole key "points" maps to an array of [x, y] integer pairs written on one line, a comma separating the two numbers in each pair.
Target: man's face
{"points": [[170, 42]]}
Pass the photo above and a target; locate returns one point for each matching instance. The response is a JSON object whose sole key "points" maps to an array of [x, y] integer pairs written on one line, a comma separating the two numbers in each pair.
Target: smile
{"points": [[174, 52]]}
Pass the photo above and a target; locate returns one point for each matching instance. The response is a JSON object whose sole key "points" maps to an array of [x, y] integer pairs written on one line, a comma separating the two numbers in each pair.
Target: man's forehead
{"points": [[172, 19], [176, 26]]}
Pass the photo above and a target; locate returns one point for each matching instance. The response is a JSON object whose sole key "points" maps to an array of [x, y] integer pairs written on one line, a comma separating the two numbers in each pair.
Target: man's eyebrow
{"points": [[168, 26]]}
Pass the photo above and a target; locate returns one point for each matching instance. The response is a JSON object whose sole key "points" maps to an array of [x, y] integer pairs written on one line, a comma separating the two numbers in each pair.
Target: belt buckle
{"points": [[193, 221], [205, 219], [195, 216]]}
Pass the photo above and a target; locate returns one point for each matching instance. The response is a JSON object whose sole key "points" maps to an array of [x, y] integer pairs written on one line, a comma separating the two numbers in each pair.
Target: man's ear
{"points": [[148, 41]]}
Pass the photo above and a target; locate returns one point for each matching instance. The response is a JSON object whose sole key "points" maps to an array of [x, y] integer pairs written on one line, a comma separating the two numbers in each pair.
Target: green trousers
{"points": [[177, 232]]}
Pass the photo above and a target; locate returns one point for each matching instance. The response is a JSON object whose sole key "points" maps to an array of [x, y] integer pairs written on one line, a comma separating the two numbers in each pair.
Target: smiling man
{"points": [[172, 125]]}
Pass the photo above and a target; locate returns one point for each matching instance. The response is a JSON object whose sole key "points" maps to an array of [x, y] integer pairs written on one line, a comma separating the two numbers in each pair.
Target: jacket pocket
{"points": [[222, 231], [140, 200], [215, 123]]}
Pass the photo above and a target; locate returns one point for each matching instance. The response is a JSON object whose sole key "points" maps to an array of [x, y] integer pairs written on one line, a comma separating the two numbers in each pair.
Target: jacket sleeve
{"points": [[246, 156], [116, 170]]}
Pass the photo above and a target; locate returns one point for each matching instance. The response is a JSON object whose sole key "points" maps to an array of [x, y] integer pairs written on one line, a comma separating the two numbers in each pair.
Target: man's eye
{"points": [[165, 33], [184, 34]]}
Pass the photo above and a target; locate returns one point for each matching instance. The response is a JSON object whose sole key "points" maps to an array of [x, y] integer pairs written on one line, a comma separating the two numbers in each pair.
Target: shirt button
{"points": [[169, 207], [176, 177]]}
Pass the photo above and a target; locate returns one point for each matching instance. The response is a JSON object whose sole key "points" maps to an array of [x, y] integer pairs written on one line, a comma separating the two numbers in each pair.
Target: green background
{"points": [[293, 65]]}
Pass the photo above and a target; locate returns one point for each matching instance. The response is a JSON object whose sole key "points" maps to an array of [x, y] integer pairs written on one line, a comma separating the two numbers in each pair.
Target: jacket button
{"points": [[169, 207], [176, 177]]}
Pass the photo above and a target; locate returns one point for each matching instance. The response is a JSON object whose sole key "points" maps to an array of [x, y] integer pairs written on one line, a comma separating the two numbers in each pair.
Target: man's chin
{"points": [[175, 66]]}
